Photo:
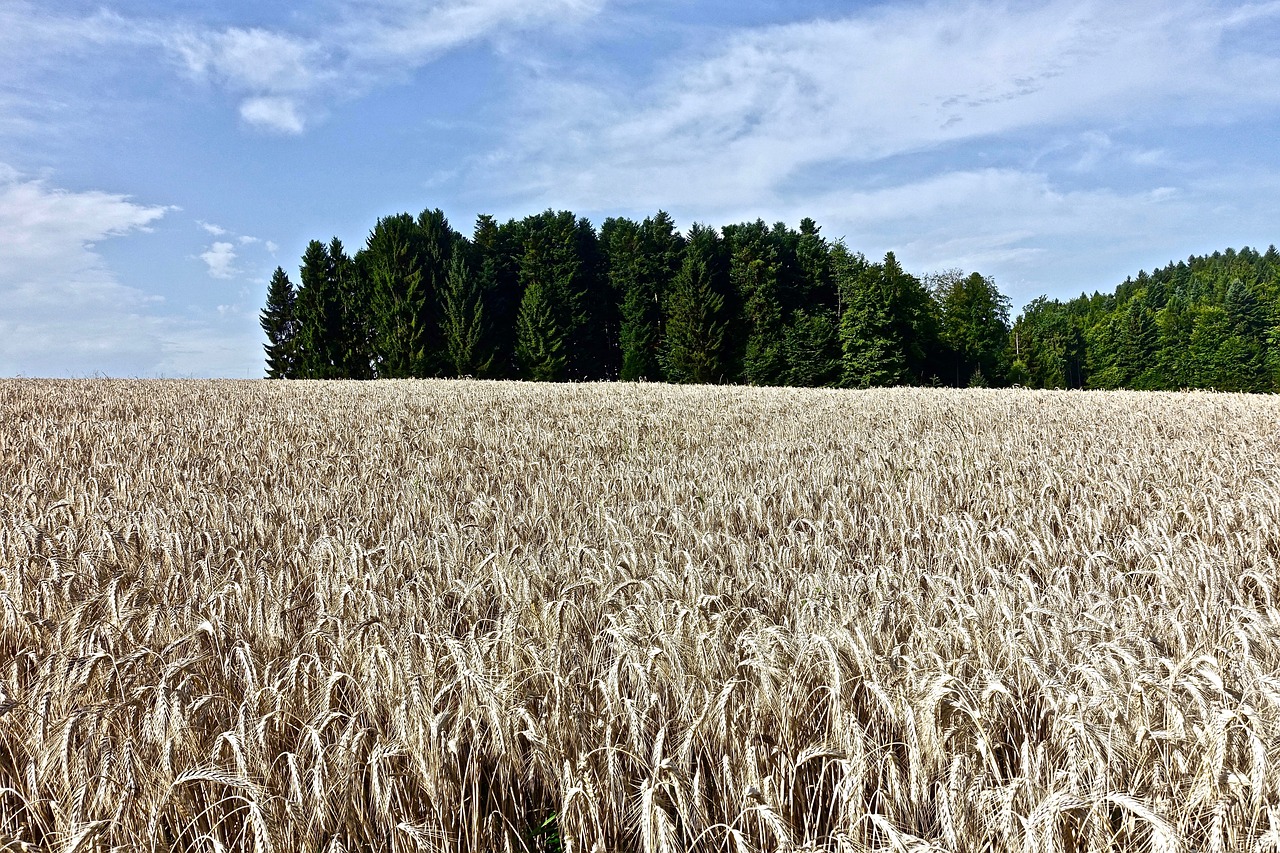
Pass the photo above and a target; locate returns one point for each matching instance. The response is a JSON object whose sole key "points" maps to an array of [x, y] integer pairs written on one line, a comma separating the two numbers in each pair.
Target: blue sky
{"points": [[159, 159]]}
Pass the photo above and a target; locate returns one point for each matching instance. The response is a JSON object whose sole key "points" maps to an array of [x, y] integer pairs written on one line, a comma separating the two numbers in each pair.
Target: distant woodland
{"points": [[552, 298]]}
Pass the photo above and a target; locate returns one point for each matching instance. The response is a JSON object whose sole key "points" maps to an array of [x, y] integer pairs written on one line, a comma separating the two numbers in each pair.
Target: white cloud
{"points": [[414, 31], [48, 234], [278, 115], [215, 230], [1001, 136], [221, 258], [284, 78], [738, 120], [251, 60], [67, 313]]}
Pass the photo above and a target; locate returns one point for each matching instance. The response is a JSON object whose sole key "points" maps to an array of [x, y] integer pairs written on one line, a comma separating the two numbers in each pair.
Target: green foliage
{"points": [[889, 327], [974, 327], [279, 320], [1201, 323], [319, 313], [811, 349], [754, 272], [463, 321], [546, 297], [540, 338], [395, 260], [573, 321], [695, 316]]}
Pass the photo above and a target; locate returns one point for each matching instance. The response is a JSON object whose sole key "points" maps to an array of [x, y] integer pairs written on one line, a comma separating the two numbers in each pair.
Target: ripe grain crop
{"points": [[499, 617]]}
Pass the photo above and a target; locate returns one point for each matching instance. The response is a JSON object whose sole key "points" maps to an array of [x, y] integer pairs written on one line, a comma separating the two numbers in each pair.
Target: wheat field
{"points": [[464, 616]]}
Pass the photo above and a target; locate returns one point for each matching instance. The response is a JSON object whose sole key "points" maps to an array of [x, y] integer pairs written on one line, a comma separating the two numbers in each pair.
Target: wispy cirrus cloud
{"points": [[285, 78], [976, 133], [737, 120], [282, 78]]}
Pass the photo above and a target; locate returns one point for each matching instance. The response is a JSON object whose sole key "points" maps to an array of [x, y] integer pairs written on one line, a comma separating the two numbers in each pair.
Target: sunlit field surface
{"points": [[499, 617]]}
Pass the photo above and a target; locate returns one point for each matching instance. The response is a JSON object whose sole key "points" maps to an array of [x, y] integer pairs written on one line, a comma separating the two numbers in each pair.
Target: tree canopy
{"points": [[549, 297]]}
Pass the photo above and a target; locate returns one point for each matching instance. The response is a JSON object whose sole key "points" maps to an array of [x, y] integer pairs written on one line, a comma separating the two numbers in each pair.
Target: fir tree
{"points": [[693, 350], [540, 339], [319, 314], [279, 320], [394, 258], [463, 323]]}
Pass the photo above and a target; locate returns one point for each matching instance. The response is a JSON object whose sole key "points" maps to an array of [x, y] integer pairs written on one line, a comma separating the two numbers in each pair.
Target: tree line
{"points": [[552, 298]]}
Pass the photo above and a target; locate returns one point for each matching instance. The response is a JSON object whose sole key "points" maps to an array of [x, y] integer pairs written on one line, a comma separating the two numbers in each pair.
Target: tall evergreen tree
{"points": [[811, 347], [561, 261], [541, 340], [319, 314], [626, 268], [888, 333], [463, 321], [755, 270], [279, 320], [352, 352], [438, 241], [495, 253], [693, 349], [394, 259]]}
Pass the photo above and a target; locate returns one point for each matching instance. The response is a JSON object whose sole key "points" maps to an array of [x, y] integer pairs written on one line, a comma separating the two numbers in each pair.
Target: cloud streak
{"points": [[283, 78], [990, 135], [739, 120]]}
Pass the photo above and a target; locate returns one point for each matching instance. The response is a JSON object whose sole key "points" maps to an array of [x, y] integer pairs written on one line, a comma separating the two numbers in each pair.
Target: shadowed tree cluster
{"points": [[551, 298]]}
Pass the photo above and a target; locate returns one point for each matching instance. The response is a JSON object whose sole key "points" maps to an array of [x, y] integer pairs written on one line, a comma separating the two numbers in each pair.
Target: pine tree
{"points": [[279, 321], [352, 352], [693, 350], [319, 315], [540, 339], [463, 320], [393, 259]]}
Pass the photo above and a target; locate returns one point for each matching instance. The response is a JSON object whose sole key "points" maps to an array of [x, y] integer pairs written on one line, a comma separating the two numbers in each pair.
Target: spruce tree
{"points": [[438, 242], [495, 254], [974, 326], [693, 350], [625, 272], [279, 320], [874, 354], [463, 320], [540, 339], [393, 259], [352, 350], [754, 274], [561, 264], [319, 314]]}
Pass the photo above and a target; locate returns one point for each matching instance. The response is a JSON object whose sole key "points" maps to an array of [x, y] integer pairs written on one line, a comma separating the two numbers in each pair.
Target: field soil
{"points": [[470, 616]]}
